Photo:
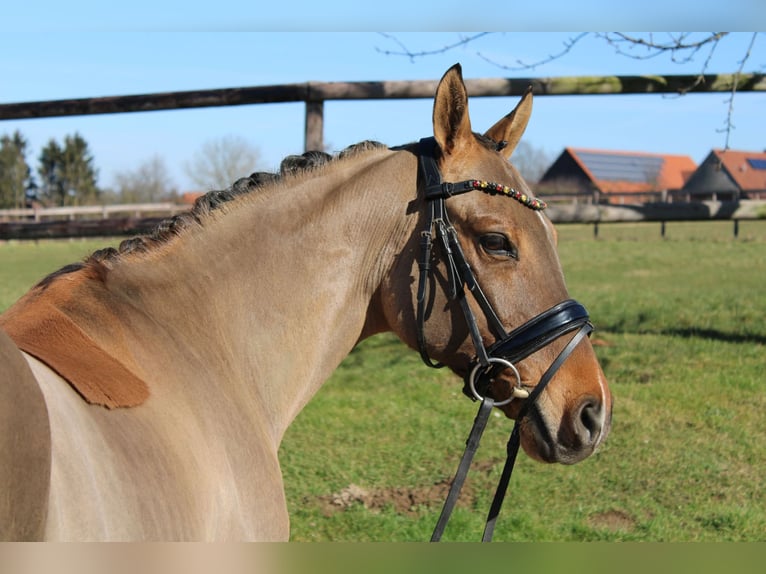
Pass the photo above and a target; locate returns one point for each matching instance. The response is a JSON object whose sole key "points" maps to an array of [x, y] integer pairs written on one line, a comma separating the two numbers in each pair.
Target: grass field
{"points": [[683, 326]]}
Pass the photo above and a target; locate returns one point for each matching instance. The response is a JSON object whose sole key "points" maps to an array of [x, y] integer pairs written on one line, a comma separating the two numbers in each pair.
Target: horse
{"points": [[144, 390]]}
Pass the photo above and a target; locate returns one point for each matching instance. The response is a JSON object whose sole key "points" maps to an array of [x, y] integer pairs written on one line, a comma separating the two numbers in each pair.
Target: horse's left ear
{"points": [[452, 126], [511, 127]]}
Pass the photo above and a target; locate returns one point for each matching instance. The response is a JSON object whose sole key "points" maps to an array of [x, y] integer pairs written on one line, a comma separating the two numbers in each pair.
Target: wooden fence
{"points": [[118, 220], [314, 94], [137, 210], [132, 219], [84, 221]]}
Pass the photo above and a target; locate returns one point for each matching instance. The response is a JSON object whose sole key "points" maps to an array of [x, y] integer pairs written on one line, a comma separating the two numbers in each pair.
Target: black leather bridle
{"points": [[508, 348]]}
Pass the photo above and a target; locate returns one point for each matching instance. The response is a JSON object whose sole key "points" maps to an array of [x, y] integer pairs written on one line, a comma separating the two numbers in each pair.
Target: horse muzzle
{"points": [[576, 432], [571, 439]]}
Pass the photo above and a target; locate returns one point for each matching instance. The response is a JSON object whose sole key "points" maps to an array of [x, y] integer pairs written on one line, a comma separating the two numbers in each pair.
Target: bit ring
{"points": [[517, 392]]}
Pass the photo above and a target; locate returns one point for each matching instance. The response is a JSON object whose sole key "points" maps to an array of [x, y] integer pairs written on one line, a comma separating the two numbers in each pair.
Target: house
{"points": [[728, 175], [189, 197], [616, 176]]}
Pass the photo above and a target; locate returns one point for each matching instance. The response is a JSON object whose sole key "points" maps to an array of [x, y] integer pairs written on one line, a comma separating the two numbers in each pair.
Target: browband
{"points": [[435, 188]]}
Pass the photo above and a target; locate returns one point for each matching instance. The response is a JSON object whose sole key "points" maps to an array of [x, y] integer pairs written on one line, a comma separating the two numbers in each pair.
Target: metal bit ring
{"points": [[516, 391]]}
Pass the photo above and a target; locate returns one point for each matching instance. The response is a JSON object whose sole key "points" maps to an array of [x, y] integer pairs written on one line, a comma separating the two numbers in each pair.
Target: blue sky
{"points": [[118, 53], [402, 15]]}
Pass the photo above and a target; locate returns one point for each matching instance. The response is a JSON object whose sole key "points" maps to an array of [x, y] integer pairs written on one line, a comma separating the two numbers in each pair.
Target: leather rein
{"points": [[508, 348]]}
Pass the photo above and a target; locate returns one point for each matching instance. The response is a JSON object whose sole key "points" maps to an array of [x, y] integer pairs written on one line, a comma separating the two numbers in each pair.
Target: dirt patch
{"points": [[403, 500], [612, 520], [407, 500]]}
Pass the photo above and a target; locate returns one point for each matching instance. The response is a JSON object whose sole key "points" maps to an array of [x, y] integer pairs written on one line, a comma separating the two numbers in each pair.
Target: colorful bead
{"points": [[524, 199]]}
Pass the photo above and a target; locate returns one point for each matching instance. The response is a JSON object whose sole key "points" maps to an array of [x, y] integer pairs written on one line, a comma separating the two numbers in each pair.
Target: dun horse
{"points": [[144, 391]]}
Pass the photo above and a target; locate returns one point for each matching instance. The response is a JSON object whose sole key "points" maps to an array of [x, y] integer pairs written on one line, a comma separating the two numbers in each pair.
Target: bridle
{"points": [[508, 348]]}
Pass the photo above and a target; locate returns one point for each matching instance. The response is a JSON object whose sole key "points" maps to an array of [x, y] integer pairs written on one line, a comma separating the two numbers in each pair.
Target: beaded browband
{"points": [[495, 188], [438, 189], [447, 189]]}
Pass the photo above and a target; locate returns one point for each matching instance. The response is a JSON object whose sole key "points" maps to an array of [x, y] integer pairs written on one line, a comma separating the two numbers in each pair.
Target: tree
{"points": [[531, 161], [148, 183], [68, 173], [79, 171], [220, 162], [51, 159], [15, 175]]}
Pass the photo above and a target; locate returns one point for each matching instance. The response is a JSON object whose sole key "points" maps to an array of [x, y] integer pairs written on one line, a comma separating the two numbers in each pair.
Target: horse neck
{"points": [[273, 292]]}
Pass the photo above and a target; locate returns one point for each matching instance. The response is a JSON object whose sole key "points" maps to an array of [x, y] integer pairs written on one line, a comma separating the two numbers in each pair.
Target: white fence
{"points": [[132, 219], [102, 211]]}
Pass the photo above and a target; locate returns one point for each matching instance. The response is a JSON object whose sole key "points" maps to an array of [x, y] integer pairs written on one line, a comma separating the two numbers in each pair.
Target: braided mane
{"points": [[168, 228], [171, 227], [204, 205]]}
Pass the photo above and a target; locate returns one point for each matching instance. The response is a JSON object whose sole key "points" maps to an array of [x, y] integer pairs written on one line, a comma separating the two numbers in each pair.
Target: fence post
{"points": [[736, 228], [314, 136]]}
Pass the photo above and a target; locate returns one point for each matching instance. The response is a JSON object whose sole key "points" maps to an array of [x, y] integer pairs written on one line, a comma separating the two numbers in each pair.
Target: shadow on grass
{"points": [[716, 335], [693, 332]]}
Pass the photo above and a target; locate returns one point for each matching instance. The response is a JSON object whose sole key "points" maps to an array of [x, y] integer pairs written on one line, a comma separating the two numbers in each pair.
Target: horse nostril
{"points": [[590, 421]]}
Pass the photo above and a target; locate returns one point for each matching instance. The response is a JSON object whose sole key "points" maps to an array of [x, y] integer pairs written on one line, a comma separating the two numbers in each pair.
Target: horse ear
{"points": [[452, 126], [511, 127]]}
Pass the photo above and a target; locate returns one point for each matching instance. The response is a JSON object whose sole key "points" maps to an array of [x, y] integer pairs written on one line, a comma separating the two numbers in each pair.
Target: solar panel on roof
{"points": [[756, 162], [622, 167]]}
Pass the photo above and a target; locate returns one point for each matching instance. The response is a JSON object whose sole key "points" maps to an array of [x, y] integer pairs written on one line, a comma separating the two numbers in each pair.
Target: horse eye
{"points": [[498, 244]]}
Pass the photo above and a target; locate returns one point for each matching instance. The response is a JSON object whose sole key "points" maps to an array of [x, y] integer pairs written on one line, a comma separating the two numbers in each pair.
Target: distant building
{"points": [[616, 176], [727, 175], [189, 197]]}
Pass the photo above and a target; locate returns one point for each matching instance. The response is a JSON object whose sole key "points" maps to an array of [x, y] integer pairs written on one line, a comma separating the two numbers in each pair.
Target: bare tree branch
{"points": [[405, 51], [729, 126], [569, 44], [220, 161], [682, 48]]}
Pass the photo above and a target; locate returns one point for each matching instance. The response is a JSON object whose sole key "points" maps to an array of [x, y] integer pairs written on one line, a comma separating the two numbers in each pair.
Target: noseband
{"points": [[508, 348]]}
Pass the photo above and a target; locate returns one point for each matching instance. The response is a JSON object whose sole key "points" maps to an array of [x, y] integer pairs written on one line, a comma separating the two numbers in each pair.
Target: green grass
{"points": [[24, 263], [683, 322]]}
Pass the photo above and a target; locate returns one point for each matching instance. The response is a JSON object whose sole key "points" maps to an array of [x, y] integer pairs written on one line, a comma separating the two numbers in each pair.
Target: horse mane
{"points": [[171, 227]]}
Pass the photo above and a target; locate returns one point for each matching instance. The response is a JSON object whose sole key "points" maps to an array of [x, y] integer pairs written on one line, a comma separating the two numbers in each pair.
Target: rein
{"points": [[508, 349]]}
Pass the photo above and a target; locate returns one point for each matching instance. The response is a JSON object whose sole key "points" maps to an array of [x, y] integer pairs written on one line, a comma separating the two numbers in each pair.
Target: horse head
{"points": [[492, 303]]}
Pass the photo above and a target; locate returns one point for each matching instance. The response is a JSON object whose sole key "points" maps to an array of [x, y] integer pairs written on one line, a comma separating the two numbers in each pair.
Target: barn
{"points": [[727, 175], [622, 177]]}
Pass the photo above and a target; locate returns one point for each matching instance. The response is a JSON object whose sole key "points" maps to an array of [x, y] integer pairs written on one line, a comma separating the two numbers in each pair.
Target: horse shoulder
{"points": [[25, 448], [56, 326]]}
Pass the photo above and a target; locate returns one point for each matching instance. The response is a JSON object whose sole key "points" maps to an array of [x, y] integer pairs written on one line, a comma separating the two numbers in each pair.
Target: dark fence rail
{"points": [[66, 228], [314, 94]]}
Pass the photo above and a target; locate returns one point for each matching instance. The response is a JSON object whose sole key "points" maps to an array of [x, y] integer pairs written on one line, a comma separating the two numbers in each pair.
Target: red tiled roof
{"points": [[189, 197], [747, 177], [675, 170]]}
